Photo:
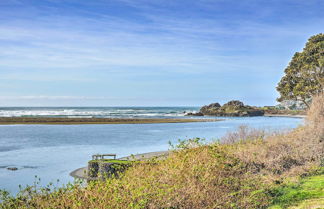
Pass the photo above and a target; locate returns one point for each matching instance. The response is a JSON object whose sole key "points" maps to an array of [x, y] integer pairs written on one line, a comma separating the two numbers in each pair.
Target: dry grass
{"points": [[237, 174], [286, 153], [246, 134], [315, 117]]}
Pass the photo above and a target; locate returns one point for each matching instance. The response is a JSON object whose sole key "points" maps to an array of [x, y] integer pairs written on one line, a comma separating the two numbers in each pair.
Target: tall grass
{"points": [[287, 153], [240, 173]]}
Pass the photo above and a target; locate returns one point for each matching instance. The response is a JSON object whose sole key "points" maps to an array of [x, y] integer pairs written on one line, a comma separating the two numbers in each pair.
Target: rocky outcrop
{"points": [[234, 104], [194, 114], [12, 168], [207, 108], [232, 108]]}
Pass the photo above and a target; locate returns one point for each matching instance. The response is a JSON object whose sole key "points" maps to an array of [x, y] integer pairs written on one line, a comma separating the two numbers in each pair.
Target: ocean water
{"points": [[52, 151], [96, 112]]}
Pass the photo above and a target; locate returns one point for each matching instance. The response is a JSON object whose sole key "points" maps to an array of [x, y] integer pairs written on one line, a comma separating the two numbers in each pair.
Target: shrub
{"points": [[285, 153]]}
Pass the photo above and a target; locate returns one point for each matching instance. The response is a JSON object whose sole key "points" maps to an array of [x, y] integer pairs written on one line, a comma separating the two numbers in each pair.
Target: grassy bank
{"points": [[307, 192], [250, 169], [74, 121]]}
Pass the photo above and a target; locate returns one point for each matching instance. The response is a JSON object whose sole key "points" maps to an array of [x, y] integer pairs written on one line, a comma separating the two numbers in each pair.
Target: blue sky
{"points": [[149, 52]]}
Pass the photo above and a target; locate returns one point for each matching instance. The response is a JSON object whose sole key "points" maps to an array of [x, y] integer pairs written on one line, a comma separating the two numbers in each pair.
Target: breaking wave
{"points": [[105, 112]]}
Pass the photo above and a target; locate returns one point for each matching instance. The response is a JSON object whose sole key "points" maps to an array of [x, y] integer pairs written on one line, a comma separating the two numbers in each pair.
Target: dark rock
{"points": [[232, 108], [234, 103], [12, 168], [105, 169], [108, 170], [213, 105], [208, 109], [194, 114]]}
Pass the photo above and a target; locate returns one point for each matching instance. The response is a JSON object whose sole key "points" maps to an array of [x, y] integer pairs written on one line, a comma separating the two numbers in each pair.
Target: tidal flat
{"points": [[78, 121]]}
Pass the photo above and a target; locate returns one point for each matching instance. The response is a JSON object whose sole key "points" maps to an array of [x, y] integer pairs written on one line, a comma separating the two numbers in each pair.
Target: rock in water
{"points": [[12, 168], [234, 104], [232, 108], [205, 110], [194, 114]]}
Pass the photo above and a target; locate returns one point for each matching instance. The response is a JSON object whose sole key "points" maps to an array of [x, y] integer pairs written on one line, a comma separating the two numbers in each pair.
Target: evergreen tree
{"points": [[304, 76]]}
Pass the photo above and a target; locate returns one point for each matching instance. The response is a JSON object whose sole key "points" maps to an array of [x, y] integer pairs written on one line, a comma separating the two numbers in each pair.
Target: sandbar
{"points": [[75, 121]]}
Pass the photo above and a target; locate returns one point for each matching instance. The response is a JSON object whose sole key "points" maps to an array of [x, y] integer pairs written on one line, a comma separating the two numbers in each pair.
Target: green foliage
{"points": [[26, 194], [295, 193], [304, 76], [187, 144]]}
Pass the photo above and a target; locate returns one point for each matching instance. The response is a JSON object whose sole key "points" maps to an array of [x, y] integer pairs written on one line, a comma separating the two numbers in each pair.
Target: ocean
{"points": [[97, 112], [52, 151]]}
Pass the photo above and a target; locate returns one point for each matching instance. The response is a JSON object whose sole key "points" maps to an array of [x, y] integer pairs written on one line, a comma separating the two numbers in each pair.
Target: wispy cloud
{"points": [[77, 47], [61, 41]]}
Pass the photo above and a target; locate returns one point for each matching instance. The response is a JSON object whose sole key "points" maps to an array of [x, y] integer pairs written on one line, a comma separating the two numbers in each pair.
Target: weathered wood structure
{"points": [[102, 156]]}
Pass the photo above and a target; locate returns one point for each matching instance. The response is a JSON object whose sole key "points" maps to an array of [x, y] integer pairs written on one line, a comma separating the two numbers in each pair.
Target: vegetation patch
{"points": [[307, 191]]}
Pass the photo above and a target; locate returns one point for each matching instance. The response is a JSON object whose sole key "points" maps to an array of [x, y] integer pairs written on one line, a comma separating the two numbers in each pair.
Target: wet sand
{"points": [[74, 121]]}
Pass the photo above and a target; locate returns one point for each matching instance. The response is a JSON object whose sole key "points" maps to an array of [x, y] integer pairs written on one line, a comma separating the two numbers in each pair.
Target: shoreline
{"points": [[80, 121], [93, 121], [284, 115]]}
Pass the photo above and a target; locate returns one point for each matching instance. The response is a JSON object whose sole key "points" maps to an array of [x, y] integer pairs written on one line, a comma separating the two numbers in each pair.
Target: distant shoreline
{"points": [[79, 121], [285, 115]]}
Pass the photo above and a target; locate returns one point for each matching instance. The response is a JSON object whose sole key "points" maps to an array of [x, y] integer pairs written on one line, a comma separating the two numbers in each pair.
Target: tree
{"points": [[304, 76]]}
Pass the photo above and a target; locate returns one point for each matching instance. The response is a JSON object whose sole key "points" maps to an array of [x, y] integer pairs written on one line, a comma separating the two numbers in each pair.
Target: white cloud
{"points": [[50, 42], [116, 42]]}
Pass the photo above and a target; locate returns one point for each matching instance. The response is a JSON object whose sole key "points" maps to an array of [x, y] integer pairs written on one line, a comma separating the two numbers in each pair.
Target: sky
{"points": [[149, 52]]}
